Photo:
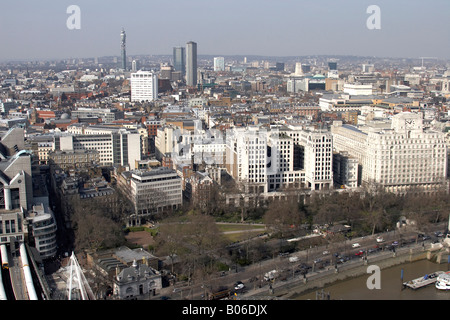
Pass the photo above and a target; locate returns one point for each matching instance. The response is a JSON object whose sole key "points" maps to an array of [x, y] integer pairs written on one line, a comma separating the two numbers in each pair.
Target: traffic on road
{"points": [[241, 281]]}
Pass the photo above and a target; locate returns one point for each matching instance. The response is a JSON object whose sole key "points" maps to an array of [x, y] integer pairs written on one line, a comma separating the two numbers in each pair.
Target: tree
{"points": [[282, 216], [194, 239], [170, 239], [93, 229], [377, 206]]}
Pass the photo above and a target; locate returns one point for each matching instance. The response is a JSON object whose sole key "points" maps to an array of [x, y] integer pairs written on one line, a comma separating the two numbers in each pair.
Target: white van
{"points": [[270, 275]]}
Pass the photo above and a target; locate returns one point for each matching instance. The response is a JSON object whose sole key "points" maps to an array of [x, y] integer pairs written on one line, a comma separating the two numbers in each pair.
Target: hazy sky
{"points": [[36, 29]]}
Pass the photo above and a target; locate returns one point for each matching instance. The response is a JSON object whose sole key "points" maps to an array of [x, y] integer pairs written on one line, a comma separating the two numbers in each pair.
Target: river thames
{"points": [[391, 285]]}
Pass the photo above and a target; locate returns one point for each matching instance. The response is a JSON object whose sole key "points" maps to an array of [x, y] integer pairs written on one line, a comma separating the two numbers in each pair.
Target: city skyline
{"points": [[409, 29]]}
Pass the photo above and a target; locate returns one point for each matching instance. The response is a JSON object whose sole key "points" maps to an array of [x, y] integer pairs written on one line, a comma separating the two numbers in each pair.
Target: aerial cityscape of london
{"points": [[252, 152]]}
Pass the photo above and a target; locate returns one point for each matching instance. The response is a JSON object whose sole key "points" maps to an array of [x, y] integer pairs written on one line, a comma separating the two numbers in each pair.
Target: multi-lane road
{"points": [[309, 263]]}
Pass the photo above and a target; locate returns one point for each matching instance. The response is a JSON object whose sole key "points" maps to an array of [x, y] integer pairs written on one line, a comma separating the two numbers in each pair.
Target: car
{"points": [[238, 285], [356, 245], [325, 252], [359, 253], [380, 239]]}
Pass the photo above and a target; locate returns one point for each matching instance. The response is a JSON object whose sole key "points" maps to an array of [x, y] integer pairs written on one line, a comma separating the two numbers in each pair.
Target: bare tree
{"points": [[93, 229], [194, 239], [282, 216]]}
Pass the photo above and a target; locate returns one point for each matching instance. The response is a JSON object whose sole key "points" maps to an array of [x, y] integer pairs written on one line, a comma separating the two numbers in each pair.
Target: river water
{"points": [[391, 285]]}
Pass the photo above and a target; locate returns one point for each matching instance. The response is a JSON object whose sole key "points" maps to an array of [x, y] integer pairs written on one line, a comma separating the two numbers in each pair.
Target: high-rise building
{"points": [[123, 52], [191, 64], [219, 64], [179, 60], [332, 65], [134, 66], [144, 86]]}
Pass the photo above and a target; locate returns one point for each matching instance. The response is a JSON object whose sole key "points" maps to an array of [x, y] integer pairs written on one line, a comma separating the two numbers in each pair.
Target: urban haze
{"points": [[203, 150]]}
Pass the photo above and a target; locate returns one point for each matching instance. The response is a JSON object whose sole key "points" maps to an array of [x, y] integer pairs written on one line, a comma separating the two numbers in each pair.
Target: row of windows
{"points": [[9, 226]]}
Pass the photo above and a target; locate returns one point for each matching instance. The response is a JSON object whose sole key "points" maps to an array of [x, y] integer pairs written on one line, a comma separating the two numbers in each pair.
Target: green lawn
{"points": [[237, 231]]}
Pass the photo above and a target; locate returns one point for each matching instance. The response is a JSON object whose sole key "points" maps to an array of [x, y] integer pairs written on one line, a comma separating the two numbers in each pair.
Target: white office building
{"points": [[144, 86], [318, 159], [219, 64], [115, 146], [405, 157], [246, 156], [358, 89], [43, 230], [281, 157], [155, 191]]}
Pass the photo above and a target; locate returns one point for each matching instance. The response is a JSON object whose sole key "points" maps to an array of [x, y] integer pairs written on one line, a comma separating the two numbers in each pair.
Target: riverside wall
{"points": [[317, 280]]}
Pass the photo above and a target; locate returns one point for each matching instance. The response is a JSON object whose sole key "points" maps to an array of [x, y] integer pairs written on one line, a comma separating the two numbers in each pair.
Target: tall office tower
{"points": [[144, 86], [179, 60], [191, 64], [123, 52], [298, 69], [332, 65], [219, 64], [134, 66]]}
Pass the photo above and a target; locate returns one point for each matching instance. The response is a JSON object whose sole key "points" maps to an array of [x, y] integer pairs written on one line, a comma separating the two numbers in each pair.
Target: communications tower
{"points": [[123, 50]]}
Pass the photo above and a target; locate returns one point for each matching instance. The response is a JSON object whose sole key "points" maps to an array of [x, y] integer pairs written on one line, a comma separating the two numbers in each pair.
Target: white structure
{"points": [[144, 86], [78, 287], [318, 159], [164, 141], [368, 68], [106, 114], [246, 156], [401, 158], [155, 190], [115, 146], [358, 89], [280, 157], [138, 280], [134, 66], [43, 230], [219, 64]]}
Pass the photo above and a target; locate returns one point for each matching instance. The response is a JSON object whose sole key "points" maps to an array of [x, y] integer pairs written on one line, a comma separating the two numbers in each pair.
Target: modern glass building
{"points": [[179, 60]]}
